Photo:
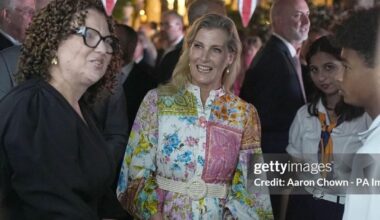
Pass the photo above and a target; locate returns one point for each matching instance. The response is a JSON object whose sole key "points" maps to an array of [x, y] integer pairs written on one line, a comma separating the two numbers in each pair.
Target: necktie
{"points": [[297, 65]]}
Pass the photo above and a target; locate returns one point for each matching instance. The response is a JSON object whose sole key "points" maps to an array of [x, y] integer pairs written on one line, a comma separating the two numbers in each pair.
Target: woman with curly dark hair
{"points": [[54, 163]]}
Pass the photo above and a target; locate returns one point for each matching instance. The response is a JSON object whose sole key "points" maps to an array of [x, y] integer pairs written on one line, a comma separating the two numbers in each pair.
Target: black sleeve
{"points": [[115, 129], [273, 88], [41, 145], [110, 116], [267, 87], [164, 70]]}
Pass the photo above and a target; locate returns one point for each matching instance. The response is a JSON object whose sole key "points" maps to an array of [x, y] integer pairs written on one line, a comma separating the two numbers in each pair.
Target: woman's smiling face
{"points": [[209, 57]]}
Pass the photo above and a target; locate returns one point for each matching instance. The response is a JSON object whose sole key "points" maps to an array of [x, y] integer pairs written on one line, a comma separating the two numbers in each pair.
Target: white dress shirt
{"points": [[365, 206]]}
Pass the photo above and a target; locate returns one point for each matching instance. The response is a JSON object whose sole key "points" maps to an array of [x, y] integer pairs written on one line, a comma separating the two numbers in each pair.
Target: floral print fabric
{"points": [[178, 138]]}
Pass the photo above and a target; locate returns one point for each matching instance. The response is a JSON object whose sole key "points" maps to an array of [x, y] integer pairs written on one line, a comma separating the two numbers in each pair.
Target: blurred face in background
{"points": [[139, 50], [17, 17], [292, 21], [172, 28]]}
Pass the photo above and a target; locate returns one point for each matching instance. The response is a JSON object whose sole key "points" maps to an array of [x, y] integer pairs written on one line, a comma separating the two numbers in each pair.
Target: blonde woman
{"points": [[192, 139]]}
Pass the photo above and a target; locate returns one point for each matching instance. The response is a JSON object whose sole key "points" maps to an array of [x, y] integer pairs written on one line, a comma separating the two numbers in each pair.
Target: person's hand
{"points": [[157, 216]]}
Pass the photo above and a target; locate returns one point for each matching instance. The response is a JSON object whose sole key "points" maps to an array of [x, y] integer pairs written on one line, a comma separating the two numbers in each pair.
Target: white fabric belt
{"points": [[319, 194], [196, 188]]}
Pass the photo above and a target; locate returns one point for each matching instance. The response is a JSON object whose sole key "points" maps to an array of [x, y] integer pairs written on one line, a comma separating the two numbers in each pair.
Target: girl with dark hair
{"points": [[324, 131]]}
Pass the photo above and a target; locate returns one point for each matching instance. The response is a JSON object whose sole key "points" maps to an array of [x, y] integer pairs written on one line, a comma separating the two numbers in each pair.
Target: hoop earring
{"points": [[54, 61]]}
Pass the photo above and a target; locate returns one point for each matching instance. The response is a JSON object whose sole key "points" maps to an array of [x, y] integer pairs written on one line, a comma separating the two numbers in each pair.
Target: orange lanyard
{"points": [[325, 143]]}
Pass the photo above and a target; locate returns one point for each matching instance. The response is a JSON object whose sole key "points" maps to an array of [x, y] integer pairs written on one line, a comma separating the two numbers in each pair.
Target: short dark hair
{"points": [[345, 111], [174, 14], [128, 41], [359, 32], [324, 44], [199, 8], [49, 28]]}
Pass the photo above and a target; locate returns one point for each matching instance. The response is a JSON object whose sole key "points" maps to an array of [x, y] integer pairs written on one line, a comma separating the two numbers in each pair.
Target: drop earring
{"points": [[228, 70], [54, 61]]}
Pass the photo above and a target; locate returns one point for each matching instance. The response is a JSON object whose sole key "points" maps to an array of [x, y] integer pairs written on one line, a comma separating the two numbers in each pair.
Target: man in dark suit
{"points": [[274, 83], [5, 41], [136, 80], [8, 68], [172, 29], [165, 68], [15, 16]]}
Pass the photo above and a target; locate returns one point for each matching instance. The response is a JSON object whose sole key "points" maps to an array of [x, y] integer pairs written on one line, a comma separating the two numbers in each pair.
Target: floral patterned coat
{"points": [[178, 138]]}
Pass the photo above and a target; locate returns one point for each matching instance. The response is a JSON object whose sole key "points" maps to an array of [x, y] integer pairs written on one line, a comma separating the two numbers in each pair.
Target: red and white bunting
{"points": [[109, 6], [246, 9]]}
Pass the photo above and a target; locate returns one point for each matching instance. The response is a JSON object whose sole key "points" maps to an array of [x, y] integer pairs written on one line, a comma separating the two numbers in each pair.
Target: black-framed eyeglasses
{"points": [[92, 38]]}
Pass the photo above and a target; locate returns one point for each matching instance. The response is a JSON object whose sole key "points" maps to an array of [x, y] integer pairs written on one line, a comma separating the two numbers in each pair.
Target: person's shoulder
{"points": [[304, 111], [143, 71], [4, 42], [270, 57], [363, 119], [11, 51], [23, 104], [26, 95], [230, 96], [172, 56], [242, 104], [358, 124], [144, 67], [25, 89], [176, 52], [152, 94], [272, 51]]}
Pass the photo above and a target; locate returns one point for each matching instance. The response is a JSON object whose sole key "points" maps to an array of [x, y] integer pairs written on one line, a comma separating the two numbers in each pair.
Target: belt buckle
{"points": [[318, 194], [196, 189]]}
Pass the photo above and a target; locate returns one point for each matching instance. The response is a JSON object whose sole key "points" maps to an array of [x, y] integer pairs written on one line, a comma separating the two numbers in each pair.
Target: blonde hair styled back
{"points": [[181, 74]]}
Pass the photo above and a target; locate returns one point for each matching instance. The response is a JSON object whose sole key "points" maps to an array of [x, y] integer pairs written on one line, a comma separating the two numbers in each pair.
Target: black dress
{"points": [[52, 164]]}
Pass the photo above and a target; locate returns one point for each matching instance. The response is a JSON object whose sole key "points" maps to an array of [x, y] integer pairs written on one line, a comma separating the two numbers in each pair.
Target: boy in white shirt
{"points": [[360, 86]]}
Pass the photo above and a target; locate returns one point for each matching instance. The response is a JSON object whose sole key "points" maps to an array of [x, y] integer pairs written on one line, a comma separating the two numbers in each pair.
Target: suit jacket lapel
{"points": [[290, 62], [6, 80], [4, 42], [285, 50]]}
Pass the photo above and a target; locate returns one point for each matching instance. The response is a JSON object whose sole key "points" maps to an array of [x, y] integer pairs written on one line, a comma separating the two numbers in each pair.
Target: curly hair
{"points": [[181, 73], [359, 32], [49, 28]]}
